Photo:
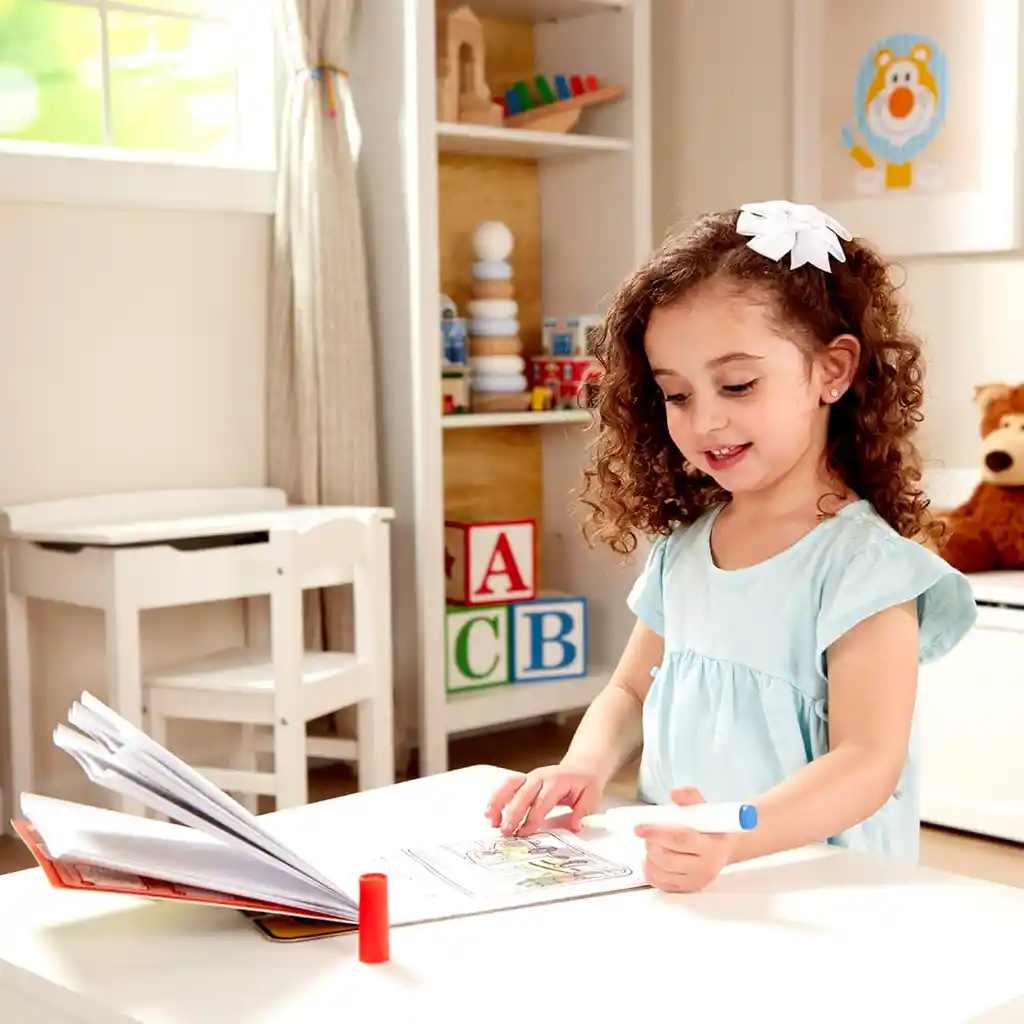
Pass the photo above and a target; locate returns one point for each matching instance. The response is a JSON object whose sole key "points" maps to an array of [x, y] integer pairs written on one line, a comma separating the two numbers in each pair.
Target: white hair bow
{"points": [[803, 231]]}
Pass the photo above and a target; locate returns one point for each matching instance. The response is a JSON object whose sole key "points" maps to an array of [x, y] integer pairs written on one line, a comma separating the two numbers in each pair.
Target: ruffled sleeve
{"points": [[889, 571], [646, 598]]}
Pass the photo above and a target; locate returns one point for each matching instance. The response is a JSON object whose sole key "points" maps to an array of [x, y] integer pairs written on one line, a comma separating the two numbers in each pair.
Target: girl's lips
{"points": [[726, 456]]}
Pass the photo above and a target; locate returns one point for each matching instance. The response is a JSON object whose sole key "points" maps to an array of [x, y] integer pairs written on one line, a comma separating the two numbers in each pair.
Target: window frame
{"points": [[106, 175]]}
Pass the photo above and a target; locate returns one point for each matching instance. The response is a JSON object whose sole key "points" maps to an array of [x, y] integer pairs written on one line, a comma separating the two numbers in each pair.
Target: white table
{"points": [[122, 554], [810, 936]]}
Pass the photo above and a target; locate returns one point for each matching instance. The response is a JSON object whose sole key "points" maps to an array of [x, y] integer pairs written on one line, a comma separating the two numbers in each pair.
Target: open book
{"points": [[220, 853]]}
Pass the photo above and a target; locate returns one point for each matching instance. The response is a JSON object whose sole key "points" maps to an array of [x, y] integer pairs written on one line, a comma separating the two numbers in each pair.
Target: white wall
{"points": [[722, 131], [131, 357]]}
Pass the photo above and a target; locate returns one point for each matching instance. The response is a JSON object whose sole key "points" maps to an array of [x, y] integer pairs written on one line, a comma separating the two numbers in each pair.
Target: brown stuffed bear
{"points": [[986, 532]]}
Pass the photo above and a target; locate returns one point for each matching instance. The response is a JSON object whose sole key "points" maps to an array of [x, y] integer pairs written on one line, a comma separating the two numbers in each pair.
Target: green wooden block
{"points": [[477, 647], [525, 99], [543, 89]]}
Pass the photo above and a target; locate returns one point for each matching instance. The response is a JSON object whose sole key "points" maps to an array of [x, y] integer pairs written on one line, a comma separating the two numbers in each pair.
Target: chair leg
{"points": [[246, 758], [375, 743], [291, 766]]}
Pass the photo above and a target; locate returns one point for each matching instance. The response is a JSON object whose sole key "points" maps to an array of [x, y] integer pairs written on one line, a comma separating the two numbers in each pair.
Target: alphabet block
{"points": [[476, 647], [490, 563], [549, 639]]}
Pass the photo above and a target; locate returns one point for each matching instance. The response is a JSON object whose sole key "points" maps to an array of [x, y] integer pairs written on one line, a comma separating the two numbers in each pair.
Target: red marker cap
{"points": [[374, 926]]}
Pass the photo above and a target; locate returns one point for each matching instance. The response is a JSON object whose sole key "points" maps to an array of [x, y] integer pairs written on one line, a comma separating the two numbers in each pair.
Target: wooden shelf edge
{"points": [[485, 140], [513, 702], [539, 11], [476, 420]]}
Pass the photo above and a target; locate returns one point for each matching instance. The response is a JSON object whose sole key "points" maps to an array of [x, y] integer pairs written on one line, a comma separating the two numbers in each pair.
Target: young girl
{"points": [[757, 410]]}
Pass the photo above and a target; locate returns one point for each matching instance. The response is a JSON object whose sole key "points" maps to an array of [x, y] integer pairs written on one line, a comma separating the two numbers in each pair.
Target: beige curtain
{"points": [[322, 436]]}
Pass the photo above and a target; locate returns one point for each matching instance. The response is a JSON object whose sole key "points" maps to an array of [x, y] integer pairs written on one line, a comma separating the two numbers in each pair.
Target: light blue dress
{"points": [[740, 701]]}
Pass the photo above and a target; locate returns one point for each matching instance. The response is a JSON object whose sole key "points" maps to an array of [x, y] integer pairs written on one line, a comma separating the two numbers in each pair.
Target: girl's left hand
{"points": [[680, 859]]}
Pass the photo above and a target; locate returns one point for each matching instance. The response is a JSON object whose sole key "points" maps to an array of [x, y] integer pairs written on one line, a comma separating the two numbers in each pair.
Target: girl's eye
{"points": [[677, 399], [739, 389]]}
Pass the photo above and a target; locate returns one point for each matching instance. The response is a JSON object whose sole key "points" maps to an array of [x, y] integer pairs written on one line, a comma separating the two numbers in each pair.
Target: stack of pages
{"points": [[220, 853]]}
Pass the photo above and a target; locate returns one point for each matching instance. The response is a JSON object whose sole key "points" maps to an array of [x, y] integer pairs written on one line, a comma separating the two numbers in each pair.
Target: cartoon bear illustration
{"points": [[900, 104], [986, 532]]}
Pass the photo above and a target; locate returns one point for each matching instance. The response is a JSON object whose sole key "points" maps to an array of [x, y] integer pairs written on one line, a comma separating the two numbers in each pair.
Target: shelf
{"points": [[485, 140], [543, 10], [513, 702], [456, 421]]}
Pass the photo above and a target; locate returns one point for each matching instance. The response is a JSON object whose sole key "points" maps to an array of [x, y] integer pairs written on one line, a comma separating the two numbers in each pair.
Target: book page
{"points": [[127, 844], [124, 759], [496, 872]]}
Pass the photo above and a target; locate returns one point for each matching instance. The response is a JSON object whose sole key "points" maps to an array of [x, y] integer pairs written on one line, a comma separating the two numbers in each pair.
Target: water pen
{"points": [[722, 817]]}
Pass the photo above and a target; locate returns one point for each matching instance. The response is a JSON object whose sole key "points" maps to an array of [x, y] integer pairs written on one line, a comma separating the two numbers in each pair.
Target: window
{"points": [[180, 81]]}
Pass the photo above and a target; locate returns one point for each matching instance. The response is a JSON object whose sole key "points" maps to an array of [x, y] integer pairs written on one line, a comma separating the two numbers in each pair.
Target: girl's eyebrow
{"points": [[733, 357], [729, 357]]}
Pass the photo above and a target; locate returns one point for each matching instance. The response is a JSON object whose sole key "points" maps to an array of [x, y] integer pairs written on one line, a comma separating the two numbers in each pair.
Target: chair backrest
{"points": [[327, 551]]}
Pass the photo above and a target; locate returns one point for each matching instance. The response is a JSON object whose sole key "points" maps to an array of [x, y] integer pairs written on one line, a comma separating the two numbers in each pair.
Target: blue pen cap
{"points": [[748, 816]]}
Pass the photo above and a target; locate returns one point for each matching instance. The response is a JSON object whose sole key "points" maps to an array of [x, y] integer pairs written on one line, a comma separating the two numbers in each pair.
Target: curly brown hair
{"points": [[638, 480]]}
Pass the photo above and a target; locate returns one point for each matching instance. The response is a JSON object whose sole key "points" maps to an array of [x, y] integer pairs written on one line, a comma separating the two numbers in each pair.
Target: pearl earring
{"points": [[834, 392]]}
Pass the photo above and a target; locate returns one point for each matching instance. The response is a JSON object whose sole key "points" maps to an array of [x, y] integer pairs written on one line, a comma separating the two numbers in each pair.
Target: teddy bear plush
{"points": [[986, 532]]}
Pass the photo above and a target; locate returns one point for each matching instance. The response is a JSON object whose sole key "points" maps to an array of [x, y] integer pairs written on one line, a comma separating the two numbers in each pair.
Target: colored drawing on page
{"points": [[540, 861]]}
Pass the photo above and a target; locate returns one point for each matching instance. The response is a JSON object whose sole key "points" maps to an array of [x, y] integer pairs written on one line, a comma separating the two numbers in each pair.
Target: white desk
{"points": [[812, 936], [126, 553]]}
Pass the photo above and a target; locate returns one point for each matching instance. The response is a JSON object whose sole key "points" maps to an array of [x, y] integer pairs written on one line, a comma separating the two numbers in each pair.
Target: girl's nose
{"points": [[709, 415]]}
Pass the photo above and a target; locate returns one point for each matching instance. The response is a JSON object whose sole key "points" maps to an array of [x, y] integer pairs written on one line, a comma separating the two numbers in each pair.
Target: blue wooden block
{"points": [[549, 639], [453, 337], [562, 89], [512, 103]]}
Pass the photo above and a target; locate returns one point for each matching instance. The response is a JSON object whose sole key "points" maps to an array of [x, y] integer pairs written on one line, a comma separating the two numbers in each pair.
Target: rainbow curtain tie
{"points": [[325, 73]]}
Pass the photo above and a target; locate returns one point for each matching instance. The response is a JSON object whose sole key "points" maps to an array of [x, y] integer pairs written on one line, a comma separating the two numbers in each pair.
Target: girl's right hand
{"points": [[526, 800]]}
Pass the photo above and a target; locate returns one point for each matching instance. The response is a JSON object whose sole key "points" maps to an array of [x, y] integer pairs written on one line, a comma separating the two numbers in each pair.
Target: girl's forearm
{"points": [[609, 733], [830, 795]]}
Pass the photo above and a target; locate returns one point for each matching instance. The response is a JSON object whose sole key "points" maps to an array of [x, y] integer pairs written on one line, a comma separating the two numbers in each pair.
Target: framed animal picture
{"points": [[907, 121]]}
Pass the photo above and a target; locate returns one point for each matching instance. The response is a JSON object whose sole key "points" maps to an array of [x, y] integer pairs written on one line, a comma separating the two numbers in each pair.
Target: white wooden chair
{"points": [[281, 685]]}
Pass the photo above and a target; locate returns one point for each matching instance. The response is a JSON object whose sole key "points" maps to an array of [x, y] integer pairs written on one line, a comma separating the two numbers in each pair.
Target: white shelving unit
{"points": [[595, 227]]}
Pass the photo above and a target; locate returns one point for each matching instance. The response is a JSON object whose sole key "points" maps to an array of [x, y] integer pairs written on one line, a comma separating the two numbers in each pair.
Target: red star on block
{"points": [[449, 563]]}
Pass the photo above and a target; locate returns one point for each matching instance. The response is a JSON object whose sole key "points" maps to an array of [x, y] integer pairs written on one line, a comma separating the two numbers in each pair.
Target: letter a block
{"points": [[476, 647], [490, 563], [549, 639]]}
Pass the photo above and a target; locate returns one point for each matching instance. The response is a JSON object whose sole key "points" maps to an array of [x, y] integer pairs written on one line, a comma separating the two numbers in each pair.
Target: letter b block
{"points": [[490, 563], [549, 639], [476, 647]]}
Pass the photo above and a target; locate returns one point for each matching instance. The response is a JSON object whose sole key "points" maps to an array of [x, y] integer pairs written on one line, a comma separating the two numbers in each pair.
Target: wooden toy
{"points": [[497, 346], [571, 336], [490, 563], [492, 317], [567, 378], [493, 289], [454, 342], [455, 394], [555, 106], [463, 95], [515, 402], [540, 399], [477, 647], [549, 639]]}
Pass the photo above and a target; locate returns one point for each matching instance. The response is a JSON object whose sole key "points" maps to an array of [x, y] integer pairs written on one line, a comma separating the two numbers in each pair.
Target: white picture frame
{"points": [[970, 205]]}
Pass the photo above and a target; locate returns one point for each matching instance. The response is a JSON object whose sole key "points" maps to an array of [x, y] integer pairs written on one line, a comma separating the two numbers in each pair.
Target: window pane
{"points": [[51, 87], [172, 84], [213, 8]]}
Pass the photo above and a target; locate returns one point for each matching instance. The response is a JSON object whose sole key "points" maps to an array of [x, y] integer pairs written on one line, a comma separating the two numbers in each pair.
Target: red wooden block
{"points": [[490, 563], [576, 84], [592, 83]]}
